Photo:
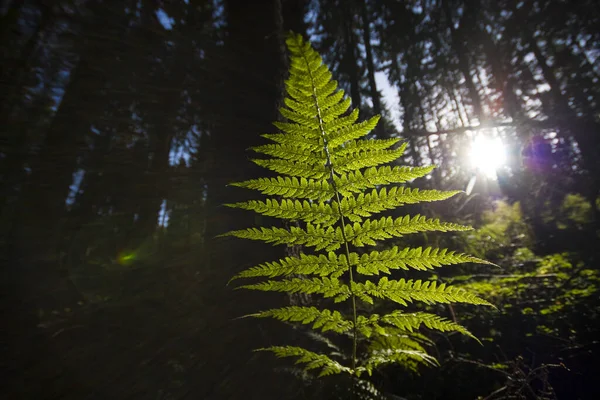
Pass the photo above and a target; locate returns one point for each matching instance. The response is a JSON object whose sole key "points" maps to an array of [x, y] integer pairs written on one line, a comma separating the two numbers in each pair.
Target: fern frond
{"points": [[356, 181], [308, 110], [365, 205], [310, 123], [300, 170], [408, 322], [318, 237], [399, 338], [325, 320], [326, 165], [310, 359], [407, 291], [331, 265], [306, 142], [396, 356], [353, 147], [291, 153], [318, 190], [413, 321], [333, 112], [316, 213], [345, 129], [387, 227], [367, 159], [327, 287], [347, 123], [377, 262], [411, 354], [329, 101]]}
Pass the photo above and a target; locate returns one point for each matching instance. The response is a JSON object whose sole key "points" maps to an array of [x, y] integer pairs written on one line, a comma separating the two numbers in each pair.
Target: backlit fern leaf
{"points": [[310, 359], [407, 291], [291, 168], [325, 166], [396, 355], [384, 261], [325, 320], [330, 265], [345, 129], [357, 182], [368, 158], [288, 152], [365, 205], [316, 213], [400, 347], [387, 227], [409, 322], [302, 188], [328, 287], [307, 142], [314, 236], [352, 147]]}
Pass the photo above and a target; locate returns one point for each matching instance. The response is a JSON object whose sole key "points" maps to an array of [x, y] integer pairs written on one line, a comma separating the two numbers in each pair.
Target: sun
{"points": [[487, 155]]}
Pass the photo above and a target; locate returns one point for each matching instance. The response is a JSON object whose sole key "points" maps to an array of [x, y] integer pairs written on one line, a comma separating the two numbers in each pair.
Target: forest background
{"points": [[122, 122]]}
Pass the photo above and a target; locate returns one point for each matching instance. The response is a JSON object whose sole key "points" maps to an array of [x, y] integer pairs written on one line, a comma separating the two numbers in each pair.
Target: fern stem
{"points": [[329, 165], [350, 275]]}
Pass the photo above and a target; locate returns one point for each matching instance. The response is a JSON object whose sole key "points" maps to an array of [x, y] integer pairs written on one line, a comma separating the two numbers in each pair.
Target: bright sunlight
{"points": [[487, 155]]}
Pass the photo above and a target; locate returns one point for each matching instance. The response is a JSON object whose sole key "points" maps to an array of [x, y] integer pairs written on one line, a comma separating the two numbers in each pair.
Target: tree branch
{"points": [[541, 124]]}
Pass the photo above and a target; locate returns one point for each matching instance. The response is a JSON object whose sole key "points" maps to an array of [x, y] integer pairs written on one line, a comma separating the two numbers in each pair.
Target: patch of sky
{"points": [[163, 214], [75, 185], [164, 18]]}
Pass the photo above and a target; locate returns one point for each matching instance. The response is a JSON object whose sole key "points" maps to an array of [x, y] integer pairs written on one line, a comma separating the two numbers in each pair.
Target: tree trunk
{"points": [[464, 64], [350, 59], [375, 97]]}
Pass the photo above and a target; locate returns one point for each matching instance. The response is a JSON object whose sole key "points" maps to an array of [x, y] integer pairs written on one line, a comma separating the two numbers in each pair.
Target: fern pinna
{"points": [[325, 168]]}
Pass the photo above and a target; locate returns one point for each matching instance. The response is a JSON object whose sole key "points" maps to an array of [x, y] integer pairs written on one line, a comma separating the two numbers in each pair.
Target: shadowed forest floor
{"points": [[183, 345]]}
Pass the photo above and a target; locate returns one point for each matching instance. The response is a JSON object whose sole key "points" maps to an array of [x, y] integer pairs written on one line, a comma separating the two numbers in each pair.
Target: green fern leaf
{"points": [[316, 213], [404, 291], [328, 287], [413, 321], [396, 356], [353, 147], [385, 228], [326, 165], [325, 320], [411, 355], [378, 262], [345, 129], [368, 158], [290, 153], [365, 205], [300, 170], [306, 122], [409, 322], [304, 141], [321, 265], [314, 236], [331, 265], [310, 359], [357, 182], [333, 112], [302, 188]]}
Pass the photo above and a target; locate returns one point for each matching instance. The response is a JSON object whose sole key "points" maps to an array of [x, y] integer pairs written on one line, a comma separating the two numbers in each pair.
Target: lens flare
{"points": [[126, 258], [487, 155]]}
